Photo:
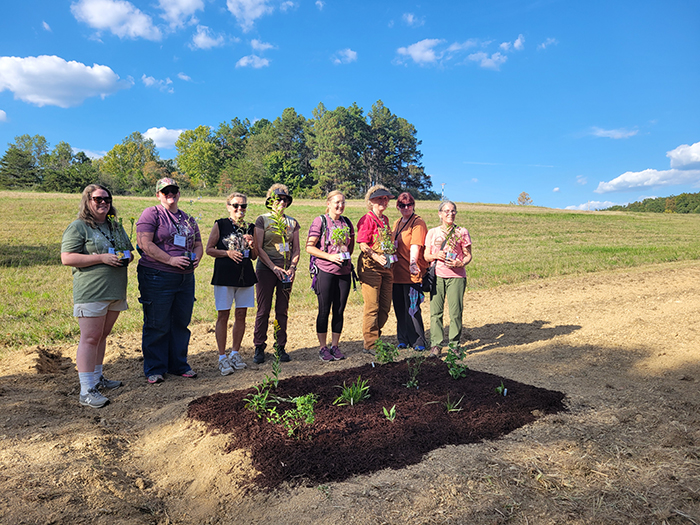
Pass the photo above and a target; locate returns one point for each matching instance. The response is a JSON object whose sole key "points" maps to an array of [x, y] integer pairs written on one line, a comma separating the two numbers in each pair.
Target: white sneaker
{"points": [[225, 366], [237, 361]]}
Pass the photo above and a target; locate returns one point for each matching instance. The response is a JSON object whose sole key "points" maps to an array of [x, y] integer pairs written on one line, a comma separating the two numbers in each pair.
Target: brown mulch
{"points": [[348, 440]]}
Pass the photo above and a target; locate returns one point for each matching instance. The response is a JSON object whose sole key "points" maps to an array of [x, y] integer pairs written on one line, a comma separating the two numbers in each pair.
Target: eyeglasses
{"points": [[449, 212], [235, 205], [100, 200], [401, 205], [170, 190]]}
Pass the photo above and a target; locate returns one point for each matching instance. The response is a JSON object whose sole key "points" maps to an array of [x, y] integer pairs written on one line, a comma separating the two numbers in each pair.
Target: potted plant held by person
{"points": [[120, 246], [386, 245]]}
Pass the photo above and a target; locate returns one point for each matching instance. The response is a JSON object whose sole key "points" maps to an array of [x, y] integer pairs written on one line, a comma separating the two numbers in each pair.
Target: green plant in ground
{"points": [[260, 401], [352, 394], [390, 414], [456, 353], [292, 419], [276, 368], [385, 352], [414, 365], [325, 490], [453, 406], [501, 390]]}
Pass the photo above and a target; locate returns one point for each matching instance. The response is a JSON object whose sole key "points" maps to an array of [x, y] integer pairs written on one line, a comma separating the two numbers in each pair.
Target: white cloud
{"points": [[46, 26], [685, 157], [519, 43], [412, 20], [344, 56], [489, 62], [286, 6], [248, 11], [3, 116], [163, 137], [461, 46], [118, 16], [505, 46], [580, 179], [179, 12], [253, 61], [556, 190], [258, 45], [422, 52], [50, 80], [547, 43], [90, 153], [320, 5], [184, 77], [685, 161], [163, 85], [204, 38], [592, 205], [620, 133]]}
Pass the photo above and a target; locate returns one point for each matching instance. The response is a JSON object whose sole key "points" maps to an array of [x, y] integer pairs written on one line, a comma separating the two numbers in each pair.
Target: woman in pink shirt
{"points": [[450, 247]]}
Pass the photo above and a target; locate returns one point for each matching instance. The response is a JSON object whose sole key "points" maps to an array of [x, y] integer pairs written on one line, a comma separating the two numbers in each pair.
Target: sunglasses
{"points": [[401, 205], [235, 206], [100, 200], [170, 191]]}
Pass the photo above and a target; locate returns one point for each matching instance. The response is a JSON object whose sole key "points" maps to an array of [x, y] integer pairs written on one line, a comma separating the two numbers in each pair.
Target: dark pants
{"points": [[268, 286], [168, 300], [409, 322], [332, 291]]}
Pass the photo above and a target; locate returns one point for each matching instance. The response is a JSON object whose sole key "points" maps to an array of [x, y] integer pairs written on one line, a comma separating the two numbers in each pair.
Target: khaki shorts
{"points": [[99, 308], [225, 296]]}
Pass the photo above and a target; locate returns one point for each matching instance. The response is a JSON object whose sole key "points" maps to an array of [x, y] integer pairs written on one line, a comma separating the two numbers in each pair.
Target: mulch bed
{"points": [[348, 440]]}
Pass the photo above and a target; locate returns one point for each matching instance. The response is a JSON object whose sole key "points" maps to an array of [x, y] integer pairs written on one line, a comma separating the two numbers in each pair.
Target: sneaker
{"points": [[435, 351], [225, 366], [284, 356], [190, 374], [401, 346], [93, 399], [419, 348], [367, 351], [325, 354], [107, 384], [237, 361], [155, 378], [337, 354], [259, 356]]}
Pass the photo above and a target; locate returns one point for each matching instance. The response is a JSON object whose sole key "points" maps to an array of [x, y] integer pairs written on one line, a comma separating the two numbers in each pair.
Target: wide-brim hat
{"points": [[166, 182], [279, 192], [380, 192]]}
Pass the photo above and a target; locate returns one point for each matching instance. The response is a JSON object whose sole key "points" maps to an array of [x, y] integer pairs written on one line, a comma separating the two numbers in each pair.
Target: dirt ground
{"points": [[622, 346]]}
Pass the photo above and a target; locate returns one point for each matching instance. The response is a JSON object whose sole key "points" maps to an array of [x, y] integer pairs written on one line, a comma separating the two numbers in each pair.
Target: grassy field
{"points": [[510, 244]]}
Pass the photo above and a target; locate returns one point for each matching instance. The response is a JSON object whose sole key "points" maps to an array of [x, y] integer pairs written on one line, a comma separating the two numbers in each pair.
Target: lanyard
{"points": [[398, 232]]}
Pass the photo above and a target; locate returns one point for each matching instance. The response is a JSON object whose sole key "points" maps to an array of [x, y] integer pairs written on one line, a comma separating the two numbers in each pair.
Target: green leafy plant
{"points": [[340, 236], [414, 365], [260, 401], [456, 353], [385, 352], [390, 414], [292, 419], [501, 390], [280, 226], [350, 395], [453, 406]]}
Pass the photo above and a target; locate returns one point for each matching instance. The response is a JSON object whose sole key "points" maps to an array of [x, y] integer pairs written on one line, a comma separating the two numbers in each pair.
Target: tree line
{"points": [[683, 203], [335, 149]]}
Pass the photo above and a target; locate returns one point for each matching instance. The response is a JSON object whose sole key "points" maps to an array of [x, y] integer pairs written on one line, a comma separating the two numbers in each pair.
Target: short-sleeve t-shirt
{"points": [[100, 282], [459, 243], [164, 226], [273, 244], [368, 230], [411, 232], [327, 245]]}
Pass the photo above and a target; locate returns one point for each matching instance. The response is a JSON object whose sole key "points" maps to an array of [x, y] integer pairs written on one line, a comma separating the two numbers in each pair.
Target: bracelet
{"points": [[293, 267]]}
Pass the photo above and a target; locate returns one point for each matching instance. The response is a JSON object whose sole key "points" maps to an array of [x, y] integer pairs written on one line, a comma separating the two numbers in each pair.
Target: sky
{"points": [[580, 104]]}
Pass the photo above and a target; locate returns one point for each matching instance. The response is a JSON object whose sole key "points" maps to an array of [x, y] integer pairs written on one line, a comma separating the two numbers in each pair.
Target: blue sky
{"points": [[580, 104]]}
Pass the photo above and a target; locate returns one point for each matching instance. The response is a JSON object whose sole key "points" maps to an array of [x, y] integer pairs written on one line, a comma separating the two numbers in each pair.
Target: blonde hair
{"points": [[234, 195], [371, 191], [332, 194]]}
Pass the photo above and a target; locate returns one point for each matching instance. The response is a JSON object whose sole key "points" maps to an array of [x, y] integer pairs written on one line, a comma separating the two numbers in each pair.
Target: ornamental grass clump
{"points": [[353, 394]]}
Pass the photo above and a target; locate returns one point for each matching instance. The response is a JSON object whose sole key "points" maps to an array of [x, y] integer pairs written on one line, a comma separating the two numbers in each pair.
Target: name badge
{"points": [[283, 247], [179, 240]]}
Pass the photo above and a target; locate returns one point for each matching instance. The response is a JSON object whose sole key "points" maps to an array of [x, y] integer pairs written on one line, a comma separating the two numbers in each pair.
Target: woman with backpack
{"points": [[330, 244]]}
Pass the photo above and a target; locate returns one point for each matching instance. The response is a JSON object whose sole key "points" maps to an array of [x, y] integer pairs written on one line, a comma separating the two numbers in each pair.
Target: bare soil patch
{"points": [[622, 347]]}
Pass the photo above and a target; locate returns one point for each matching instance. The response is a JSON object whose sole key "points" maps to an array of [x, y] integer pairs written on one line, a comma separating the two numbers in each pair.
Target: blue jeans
{"points": [[168, 300]]}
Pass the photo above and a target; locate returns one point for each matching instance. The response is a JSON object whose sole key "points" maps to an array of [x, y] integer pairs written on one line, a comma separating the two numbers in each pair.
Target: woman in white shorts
{"points": [[231, 244], [98, 249]]}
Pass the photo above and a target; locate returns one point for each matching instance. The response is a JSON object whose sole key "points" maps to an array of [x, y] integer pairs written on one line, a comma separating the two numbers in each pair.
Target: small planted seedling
{"points": [[260, 401], [453, 406], [501, 390], [293, 418], [390, 414], [456, 353], [385, 352], [414, 365], [352, 394]]}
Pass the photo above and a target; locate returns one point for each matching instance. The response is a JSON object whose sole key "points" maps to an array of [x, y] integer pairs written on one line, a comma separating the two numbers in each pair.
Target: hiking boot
{"points": [[93, 399], [368, 351], [284, 356], [225, 366], [325, 354], [337, 354], [237, 361], [107, 384], [259, 356], [155, 378]]}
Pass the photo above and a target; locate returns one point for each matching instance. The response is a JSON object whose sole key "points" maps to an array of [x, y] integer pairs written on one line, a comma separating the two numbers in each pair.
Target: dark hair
{"points": [[405, 198], [84, 212]]}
